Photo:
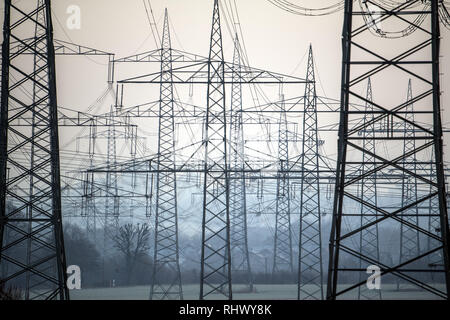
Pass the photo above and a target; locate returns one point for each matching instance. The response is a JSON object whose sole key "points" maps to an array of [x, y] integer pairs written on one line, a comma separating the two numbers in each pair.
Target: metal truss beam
{"points": [[197, 72], [23, 46], [64, 48], [155, 56]]}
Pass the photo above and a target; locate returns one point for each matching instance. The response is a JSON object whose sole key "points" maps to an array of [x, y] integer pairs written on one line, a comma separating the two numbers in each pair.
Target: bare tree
{"points": [[133, 241]]}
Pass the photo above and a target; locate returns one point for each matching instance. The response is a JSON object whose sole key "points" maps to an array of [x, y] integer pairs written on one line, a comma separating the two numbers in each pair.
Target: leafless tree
{"points": [[133, 241]]}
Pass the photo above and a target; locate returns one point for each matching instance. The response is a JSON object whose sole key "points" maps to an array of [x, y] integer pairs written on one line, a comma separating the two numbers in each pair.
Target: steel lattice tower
{"points": [[88, 209], [368, 237], [215, 274], [357, 42], [112, 201], [166, 254], [238, 207], [310, 278], [30, 191], [409, 236], [282, 253]]}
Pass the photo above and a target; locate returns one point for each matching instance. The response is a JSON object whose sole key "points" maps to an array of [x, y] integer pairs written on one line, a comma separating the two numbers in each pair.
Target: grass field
{"points": [[263, 292]]}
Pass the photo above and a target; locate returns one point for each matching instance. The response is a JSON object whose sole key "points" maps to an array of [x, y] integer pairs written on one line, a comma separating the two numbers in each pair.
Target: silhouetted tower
{"points": [[111, 192], [166, 254], [361, 28], [88, 209], [310, 281], [282, 253], [238, 206], [215, 276], [101, 198], [409, 235], [112, 200], [30, 191], [368, 237]]}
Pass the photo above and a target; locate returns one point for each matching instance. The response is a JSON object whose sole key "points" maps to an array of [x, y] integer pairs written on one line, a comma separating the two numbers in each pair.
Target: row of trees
{"points": [[129, 262]]}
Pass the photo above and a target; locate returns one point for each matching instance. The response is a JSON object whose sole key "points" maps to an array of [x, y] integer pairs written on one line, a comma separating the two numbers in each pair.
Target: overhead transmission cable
{"points": [[152, 22], [304, 11], [373, 19], [233, 16]]}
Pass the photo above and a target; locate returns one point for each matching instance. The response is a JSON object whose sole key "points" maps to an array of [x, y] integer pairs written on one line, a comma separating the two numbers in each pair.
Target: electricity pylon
{"points": [[166, 254], [282, 253], [381, 61], [215, 274], [240, 261], [88, 200], [30, 189], [112, 201], [310, 277]]}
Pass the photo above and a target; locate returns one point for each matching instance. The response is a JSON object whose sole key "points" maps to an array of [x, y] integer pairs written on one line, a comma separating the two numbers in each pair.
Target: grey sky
{"points": [[275, 40]]}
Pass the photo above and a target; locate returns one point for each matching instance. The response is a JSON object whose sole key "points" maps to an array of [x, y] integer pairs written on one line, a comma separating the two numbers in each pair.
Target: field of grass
{"points": [[262, 292]]}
